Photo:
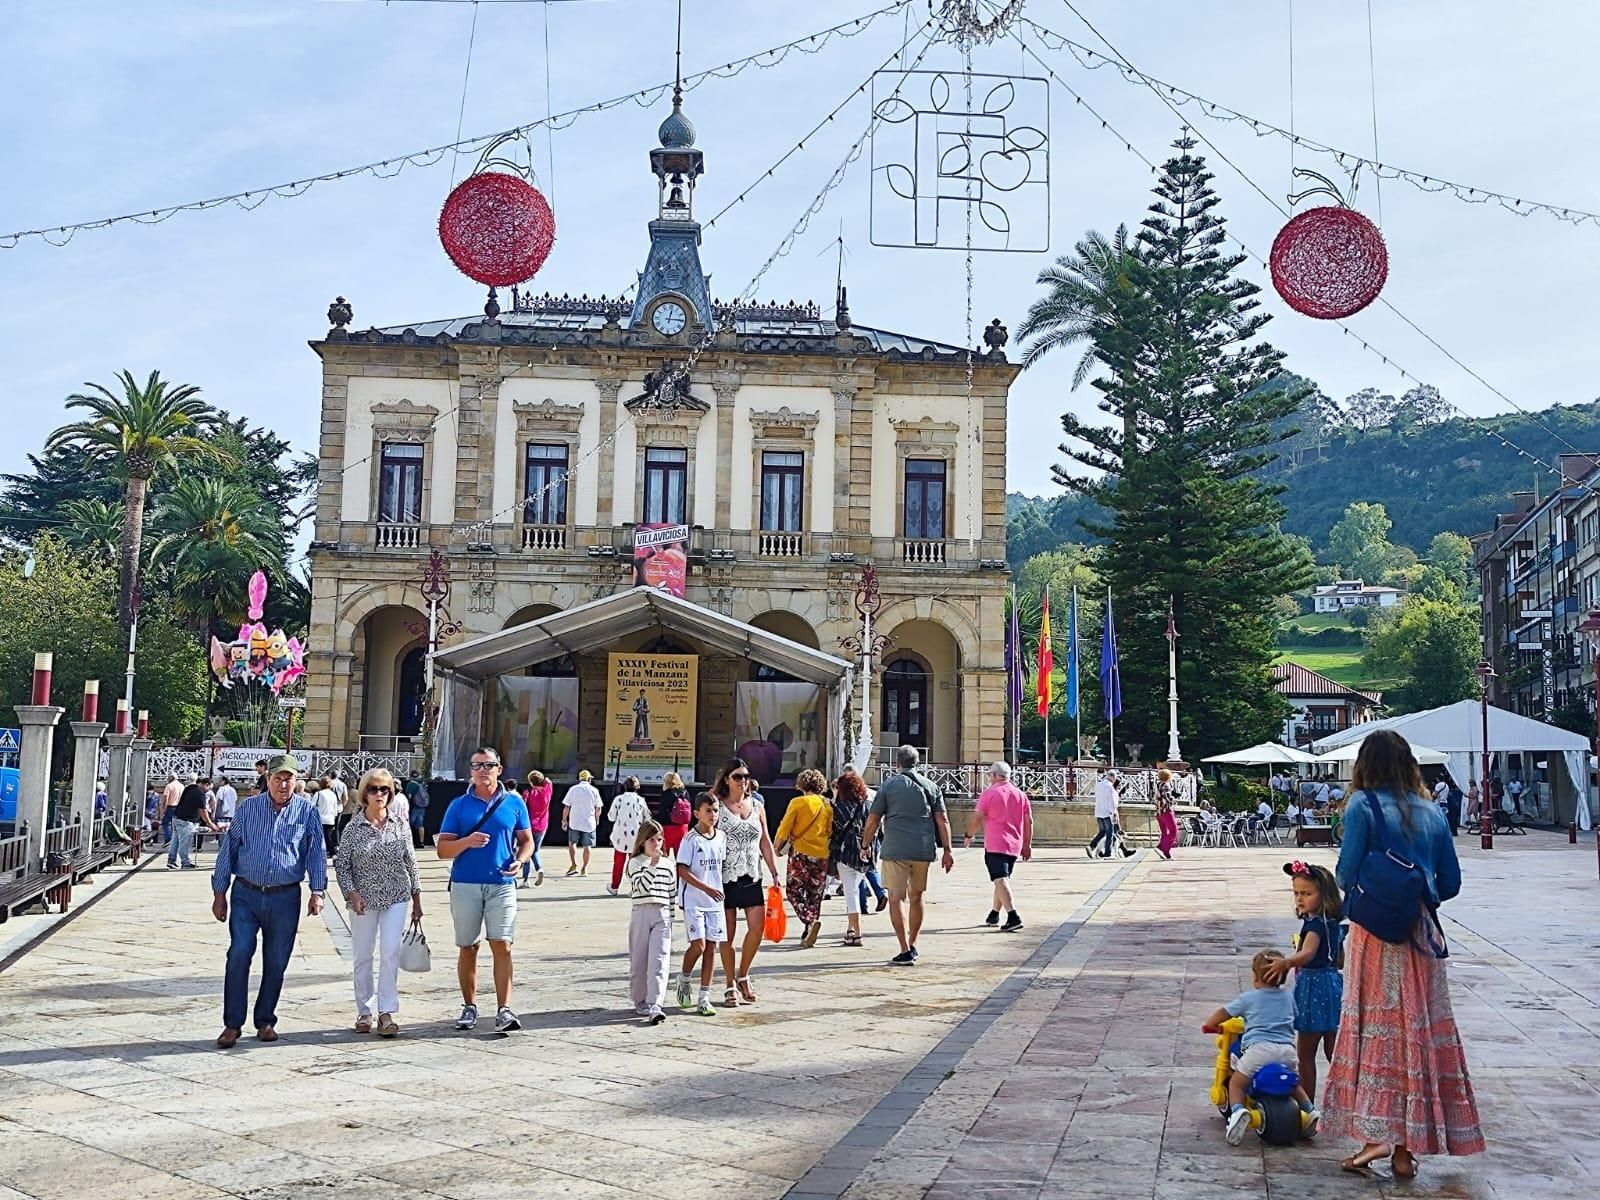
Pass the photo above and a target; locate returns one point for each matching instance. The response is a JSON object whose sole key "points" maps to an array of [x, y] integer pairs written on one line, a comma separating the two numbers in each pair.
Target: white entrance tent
{"points": [[1457, 730], [1346, 754], [1267, 754]]}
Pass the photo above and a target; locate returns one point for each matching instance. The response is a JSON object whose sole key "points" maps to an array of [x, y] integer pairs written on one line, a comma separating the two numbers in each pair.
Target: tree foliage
{"points": [[69, 606], [1184, 378], [1432, 644]]}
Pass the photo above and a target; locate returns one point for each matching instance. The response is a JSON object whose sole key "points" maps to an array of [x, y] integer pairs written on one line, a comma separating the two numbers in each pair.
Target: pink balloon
{"points": [[258, 594]]}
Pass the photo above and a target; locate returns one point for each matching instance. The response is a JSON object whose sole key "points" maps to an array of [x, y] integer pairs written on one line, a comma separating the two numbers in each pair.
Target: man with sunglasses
{"points": [[485, 838]]}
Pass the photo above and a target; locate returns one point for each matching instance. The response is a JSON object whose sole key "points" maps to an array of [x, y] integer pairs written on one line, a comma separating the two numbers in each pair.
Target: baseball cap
{"points": [[584, 777], [283, 762]]}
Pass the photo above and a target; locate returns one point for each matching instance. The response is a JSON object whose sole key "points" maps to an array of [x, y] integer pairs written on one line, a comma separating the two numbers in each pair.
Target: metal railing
{"points": [[1055, 782], [200, 761]]}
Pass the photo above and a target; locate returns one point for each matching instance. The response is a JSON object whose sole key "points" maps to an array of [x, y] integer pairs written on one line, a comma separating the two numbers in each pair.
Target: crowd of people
{"points": [[1375, 1005]]}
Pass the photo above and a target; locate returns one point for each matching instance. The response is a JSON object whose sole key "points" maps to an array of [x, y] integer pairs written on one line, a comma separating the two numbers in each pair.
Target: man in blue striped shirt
{"points": [[274, 843]]}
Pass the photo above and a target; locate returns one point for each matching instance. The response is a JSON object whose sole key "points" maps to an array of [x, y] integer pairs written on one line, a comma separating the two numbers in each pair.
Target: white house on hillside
{"points": [[1353, 593]]}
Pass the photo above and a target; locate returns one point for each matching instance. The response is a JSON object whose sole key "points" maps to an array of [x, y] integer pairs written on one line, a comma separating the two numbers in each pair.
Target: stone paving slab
{"points": [[109, 1084]]}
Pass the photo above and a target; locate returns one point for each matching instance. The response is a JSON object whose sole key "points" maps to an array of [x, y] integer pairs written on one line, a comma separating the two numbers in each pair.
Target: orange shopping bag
{"points": [[777, 919]]}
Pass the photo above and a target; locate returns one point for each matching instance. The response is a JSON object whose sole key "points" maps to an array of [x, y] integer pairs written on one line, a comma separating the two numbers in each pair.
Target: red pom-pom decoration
{"points": [[1329, 262], [497, 229]]}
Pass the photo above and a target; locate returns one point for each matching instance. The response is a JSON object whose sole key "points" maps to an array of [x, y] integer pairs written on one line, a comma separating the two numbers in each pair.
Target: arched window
{"points": [[907, 688]]}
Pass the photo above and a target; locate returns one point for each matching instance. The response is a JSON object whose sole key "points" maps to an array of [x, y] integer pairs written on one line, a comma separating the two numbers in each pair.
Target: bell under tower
{"points": [[672, 271]]}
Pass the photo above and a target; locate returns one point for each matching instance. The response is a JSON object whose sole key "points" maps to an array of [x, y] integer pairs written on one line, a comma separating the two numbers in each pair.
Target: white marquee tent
{"points": [[1457, 730]]}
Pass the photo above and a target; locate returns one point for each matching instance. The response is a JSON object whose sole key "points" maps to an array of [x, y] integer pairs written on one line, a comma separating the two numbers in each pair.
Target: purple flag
{"points": [[1014, 669]]}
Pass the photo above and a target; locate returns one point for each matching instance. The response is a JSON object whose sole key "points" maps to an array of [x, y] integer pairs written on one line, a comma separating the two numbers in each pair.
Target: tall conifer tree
{"points": [[1185, 386]]}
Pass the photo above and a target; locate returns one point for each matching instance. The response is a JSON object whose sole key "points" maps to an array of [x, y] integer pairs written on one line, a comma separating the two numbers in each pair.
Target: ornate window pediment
{"points": [[403, 421], [924, 436], [783, 423], [547, 415]]}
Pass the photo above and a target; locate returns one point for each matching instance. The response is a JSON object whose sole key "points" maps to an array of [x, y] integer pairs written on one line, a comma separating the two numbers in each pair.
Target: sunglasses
{"points": [[379, 789], [488, 766], [741, 775]]}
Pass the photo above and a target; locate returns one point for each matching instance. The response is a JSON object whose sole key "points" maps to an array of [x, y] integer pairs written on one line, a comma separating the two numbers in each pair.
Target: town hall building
{"points": [[530, 447]]}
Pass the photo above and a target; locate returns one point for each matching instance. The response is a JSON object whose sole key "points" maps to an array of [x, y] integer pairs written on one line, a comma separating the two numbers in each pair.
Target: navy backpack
{"points": [[1390, 891]]}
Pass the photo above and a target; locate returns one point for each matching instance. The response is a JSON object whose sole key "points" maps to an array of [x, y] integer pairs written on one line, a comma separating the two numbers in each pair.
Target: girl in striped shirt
{"points": [[652, 884]]}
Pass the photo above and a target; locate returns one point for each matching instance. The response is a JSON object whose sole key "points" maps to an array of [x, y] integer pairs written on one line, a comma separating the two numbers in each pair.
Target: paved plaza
{"points": [[1062, 1061]]}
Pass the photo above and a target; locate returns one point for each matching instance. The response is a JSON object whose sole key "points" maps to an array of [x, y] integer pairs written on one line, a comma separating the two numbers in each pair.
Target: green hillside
{"points": [[1431, 475]]}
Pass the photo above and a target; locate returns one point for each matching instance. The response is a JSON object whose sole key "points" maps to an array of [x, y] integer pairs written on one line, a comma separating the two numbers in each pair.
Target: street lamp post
{"points": [[1485, 672], [1590, 628], [867, 646], [435, 589]]}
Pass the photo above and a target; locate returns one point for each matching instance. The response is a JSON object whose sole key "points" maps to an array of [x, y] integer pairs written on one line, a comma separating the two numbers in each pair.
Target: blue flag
{"points": [[1014, 663], [1072, 657], [1110, 675]]}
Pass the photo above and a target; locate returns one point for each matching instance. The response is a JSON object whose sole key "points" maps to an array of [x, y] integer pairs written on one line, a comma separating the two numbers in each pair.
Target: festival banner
{"points": [[650, 715], [536, 725], [777, 728], [661, 557]]}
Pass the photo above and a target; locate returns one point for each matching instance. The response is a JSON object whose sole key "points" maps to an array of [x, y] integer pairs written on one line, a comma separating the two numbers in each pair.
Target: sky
{"points": [[117, 107]]}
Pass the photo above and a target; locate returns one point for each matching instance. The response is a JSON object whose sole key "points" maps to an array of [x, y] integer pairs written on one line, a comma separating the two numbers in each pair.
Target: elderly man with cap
{"points": [[272, 847]]}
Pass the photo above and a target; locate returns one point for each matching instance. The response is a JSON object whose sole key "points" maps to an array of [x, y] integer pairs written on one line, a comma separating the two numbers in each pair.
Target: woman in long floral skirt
{"points": [[1398, 1081]]}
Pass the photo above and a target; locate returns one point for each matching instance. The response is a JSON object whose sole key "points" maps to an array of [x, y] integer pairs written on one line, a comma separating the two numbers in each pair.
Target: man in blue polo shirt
{"points": [[486, 838]]}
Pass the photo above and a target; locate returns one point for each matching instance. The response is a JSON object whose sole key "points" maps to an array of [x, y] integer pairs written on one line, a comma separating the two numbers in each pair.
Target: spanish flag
{"points": [[1046, 658]]}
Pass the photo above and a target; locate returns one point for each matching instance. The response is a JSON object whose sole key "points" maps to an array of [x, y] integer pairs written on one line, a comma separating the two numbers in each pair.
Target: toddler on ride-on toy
{"points": [[1261, 1071]]}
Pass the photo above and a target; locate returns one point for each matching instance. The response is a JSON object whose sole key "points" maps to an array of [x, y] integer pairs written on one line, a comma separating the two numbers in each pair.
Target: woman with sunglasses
{"points": [[377, 873], [743, 823]]}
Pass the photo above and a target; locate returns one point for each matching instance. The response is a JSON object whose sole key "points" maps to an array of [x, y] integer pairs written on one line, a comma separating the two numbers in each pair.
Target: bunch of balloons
{"points": [[257, 656]]}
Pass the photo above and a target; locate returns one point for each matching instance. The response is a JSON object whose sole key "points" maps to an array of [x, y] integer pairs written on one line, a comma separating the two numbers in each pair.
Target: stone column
{"points": [[139, 774], [85, 764], [608, 384], [117, 797], [38, 723], [726, 385]]}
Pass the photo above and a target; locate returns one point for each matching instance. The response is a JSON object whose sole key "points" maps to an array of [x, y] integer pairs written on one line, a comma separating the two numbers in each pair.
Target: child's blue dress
{"points": [[1318, 986]]}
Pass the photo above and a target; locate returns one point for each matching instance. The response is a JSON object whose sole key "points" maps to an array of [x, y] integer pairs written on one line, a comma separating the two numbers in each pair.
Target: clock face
{"points": [[669, 318]]}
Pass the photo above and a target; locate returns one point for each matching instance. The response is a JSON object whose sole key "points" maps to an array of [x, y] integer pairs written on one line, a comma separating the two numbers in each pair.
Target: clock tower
{"points": [[674, 294]]}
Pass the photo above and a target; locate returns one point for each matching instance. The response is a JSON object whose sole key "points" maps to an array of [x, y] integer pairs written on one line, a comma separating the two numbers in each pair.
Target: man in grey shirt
{"points": [[911, 811]]}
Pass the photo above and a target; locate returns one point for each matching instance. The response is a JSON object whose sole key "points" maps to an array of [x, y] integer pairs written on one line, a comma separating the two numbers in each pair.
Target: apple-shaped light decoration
{"points": [[1329, 262], [497, 228]]}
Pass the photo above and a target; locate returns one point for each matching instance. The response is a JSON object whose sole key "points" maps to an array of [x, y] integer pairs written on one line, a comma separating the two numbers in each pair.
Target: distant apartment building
{"points": [[1353, 593], [1539, 570]]}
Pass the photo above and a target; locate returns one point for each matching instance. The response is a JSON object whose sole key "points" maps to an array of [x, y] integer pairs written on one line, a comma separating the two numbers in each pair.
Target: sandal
{"points": [[745, 990], [1403, 1167], [852, 938], [386, 1026], [730, 998], [1360, 1163], [363, 1024]]}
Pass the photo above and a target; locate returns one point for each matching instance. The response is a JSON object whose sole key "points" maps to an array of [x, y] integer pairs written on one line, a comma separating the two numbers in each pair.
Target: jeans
{"points": [[419, 823], [166, 824], [869, 878], [533, 864], [379, 930], [181, 847], [276, 919], [1108, 831]]}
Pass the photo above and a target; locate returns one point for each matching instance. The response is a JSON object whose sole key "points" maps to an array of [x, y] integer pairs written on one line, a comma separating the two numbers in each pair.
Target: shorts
{"points": [[904, 875], [486, 910], [1264, 1053], [580, 838], [743, 892], [1000, 865], [704, 925]]}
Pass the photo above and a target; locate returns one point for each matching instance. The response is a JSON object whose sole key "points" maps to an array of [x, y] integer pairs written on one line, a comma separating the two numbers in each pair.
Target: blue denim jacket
{"points": [[1430, 845]]}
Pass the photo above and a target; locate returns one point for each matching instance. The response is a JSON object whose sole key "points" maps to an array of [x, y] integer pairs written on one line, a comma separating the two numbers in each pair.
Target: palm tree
{"points": [[213, 534], [146, 429], [93, 526], [1087, 290]]}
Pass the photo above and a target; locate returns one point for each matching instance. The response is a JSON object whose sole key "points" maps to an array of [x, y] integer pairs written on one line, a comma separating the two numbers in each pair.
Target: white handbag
{"points": [[414, 952]]}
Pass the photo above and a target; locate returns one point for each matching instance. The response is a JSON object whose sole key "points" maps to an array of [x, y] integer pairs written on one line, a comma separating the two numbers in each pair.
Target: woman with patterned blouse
{"points": [[377, 873]]}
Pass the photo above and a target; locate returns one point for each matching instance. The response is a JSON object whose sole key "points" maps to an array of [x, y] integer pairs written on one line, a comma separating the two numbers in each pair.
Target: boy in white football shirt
{"points": [[700, 872]]}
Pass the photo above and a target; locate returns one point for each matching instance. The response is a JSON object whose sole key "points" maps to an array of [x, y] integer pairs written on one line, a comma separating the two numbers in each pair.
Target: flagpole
{"points": [[1077, 677], [1111, 716], [1014, 686], [1173, 753]]}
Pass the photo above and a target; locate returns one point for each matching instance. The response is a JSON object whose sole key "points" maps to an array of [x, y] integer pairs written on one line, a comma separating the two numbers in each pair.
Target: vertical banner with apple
{"points": [[650, 715], [661, 557]]}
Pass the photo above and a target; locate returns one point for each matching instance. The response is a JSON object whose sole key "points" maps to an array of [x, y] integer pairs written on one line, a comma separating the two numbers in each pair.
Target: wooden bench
{"points": [[1313, 835]]}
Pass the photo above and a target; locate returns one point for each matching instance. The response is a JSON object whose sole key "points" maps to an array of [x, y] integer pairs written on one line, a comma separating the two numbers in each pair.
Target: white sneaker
{"points": [[706, 1008], [642, 1010], [655, 1016], [685, 992], [468, 1018], [505, 1021], [1238, 1125], [611, 891], [1309, 1119]]}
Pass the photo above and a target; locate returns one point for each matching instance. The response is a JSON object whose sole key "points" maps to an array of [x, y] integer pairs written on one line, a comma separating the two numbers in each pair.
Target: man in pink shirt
{"points": [[1007, 820]]}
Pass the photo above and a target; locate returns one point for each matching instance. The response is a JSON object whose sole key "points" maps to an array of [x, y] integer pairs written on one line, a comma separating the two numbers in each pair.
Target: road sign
{"points": [[286, 702], [10, 741]]}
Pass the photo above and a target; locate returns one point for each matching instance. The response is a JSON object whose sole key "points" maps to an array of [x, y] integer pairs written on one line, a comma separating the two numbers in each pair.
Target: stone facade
{"points": [[578, 377]]}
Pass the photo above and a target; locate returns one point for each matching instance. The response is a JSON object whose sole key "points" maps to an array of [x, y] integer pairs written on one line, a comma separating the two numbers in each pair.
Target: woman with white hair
{"points": [[1007, 819]]}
